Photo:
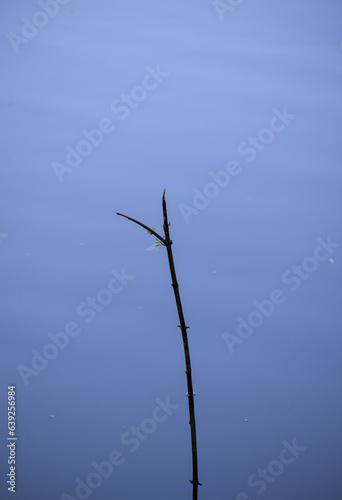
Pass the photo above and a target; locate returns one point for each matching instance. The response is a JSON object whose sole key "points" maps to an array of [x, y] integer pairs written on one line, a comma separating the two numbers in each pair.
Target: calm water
{"points": [[235, 110]]}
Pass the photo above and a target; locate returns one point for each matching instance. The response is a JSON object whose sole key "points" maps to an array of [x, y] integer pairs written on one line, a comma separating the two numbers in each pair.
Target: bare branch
{"points": [[160, 238], [167, 242]]}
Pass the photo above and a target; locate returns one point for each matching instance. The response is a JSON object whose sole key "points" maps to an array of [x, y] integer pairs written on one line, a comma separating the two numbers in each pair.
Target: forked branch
{"points": [[166, 241]]}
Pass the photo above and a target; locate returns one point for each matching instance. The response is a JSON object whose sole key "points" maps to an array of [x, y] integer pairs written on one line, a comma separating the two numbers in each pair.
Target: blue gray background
{"points": [[227, 69]]}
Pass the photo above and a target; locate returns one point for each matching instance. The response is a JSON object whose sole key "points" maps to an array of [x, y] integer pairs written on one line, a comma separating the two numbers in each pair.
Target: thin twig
{"points": [[146, 227], [183, 328], [168, 243]]}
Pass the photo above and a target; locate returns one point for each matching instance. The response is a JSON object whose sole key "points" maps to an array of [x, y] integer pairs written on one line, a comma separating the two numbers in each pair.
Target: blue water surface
{"points": [[235, 108]]}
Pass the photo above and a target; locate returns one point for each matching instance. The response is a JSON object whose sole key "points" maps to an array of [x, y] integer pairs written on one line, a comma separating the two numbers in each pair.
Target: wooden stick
{"points": [[166, 241]]}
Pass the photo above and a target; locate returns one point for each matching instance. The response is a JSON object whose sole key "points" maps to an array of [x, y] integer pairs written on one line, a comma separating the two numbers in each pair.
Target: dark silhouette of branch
{"points": [[149, 229], [166, 241]]}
